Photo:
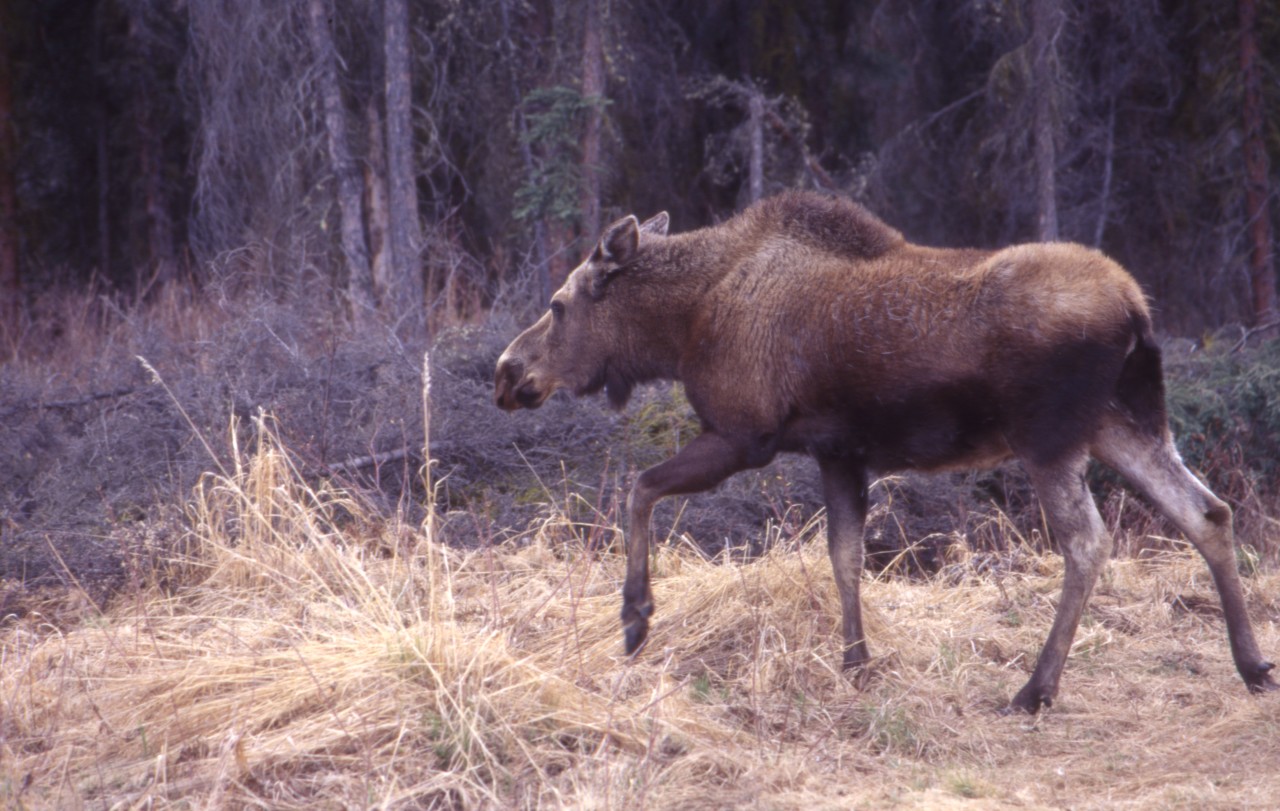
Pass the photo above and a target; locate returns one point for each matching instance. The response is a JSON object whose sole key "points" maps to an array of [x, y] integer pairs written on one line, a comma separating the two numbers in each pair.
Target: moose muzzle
{"points": [[513, 388]]}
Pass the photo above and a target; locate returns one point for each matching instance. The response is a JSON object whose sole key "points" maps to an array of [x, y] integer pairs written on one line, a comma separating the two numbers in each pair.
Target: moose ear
{"points": [[657, 224], [620, 240]]}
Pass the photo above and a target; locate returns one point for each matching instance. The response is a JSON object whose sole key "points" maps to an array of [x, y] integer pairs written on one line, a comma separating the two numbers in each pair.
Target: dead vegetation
{"points": [[101, 409], [304, 651]]}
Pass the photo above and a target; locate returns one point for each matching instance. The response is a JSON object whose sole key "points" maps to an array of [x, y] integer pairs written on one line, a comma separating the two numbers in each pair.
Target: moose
{"points": [[806, 324]]}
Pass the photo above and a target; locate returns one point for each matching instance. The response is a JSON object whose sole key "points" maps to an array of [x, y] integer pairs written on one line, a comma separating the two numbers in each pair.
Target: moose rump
{"points": [[805, 324]]}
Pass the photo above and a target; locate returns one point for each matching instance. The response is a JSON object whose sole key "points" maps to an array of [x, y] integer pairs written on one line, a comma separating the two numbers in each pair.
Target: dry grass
{"points": [[307, 655]]}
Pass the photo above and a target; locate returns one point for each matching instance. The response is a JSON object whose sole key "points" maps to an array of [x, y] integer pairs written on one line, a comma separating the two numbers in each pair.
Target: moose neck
{"points": [[657, 306]]}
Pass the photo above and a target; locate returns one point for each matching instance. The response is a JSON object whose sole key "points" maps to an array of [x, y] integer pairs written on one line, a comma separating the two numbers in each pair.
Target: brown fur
{"points": [[806, 324]]}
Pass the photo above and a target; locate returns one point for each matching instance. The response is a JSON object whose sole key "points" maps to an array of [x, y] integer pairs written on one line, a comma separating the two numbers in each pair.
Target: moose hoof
{"points": [[634, 635], [857, 667], [859, 674], [1030, 700], [635, 626], [1258, 678]]}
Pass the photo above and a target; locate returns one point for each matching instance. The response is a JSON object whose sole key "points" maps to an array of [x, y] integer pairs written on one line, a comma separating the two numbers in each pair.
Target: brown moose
{"points": [[806, 324]]}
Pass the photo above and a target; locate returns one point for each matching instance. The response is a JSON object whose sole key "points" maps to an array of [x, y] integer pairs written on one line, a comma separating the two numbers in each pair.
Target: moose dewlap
{"points": [[805, 324]]}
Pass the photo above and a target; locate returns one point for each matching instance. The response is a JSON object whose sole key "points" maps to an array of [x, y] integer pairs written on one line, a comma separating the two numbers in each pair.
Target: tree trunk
{"points": [[101, 156], [1262, 275], [161, 265], [1108, 161], [359, 276], [10, 283], [375, 202], [593, 86], [405, 283], [541, 251], [1046, 16], [755, 118]]}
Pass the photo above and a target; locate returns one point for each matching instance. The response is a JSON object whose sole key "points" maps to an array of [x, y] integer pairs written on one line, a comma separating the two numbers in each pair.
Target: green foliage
{"points": [[968, 787], [701, 688], [555, 116], [662, 423], [890, 729], [1224, 409]]}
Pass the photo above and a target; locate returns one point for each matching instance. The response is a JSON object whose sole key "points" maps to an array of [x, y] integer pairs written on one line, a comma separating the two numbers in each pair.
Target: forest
{"points": [[441, 151], [267, 542]]}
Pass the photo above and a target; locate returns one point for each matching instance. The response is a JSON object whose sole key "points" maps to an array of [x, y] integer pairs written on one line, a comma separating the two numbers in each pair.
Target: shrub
{"points": [[1224, 410]]}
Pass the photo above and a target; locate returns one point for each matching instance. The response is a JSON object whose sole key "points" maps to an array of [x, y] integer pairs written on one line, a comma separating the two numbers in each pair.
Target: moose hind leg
{"points": [[1152, 465], [844, 486], [1077, 527]]}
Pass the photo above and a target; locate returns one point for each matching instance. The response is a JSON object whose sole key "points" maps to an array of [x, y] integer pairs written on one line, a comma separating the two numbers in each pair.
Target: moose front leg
{"points": [[702, 464], [844, 486]]}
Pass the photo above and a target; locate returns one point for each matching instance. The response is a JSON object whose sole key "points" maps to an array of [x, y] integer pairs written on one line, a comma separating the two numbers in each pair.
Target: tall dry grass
{"points": [[305, 653]]}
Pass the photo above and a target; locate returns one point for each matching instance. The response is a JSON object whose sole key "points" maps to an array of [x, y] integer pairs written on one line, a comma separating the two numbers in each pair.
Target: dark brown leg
{"points": [[1076, 526], [844, 486], [701, 465], [1153, 466]]}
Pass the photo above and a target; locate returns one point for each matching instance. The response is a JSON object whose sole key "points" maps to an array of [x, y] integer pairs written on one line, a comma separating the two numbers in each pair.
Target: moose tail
{"points": [[1140, 389]]}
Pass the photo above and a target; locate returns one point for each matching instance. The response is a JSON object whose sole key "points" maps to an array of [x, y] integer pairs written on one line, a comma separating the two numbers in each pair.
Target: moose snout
{"points": [[506, 382], [514, 387]]}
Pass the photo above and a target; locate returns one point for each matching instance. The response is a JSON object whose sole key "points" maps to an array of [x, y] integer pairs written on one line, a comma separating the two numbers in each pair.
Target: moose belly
{"points": [[932, 428]]}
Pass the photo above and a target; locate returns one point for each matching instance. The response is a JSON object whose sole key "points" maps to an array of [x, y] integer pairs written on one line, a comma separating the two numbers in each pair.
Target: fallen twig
{"points": [[74, 402], [359, 462], [1248, 332]]}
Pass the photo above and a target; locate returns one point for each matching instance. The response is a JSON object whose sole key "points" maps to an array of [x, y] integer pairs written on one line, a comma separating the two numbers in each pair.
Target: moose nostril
{"points": [[510, 369], [506, 379]]}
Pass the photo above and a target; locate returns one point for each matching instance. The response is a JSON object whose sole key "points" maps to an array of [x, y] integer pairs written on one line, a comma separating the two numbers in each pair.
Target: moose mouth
{"points": [[513, 390], [527, 395]]}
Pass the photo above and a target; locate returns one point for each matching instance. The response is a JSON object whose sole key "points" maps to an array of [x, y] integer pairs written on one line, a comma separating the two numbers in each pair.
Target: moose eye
{"points": [[557, 310]]}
